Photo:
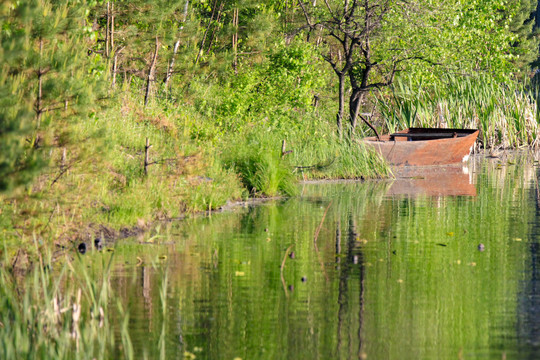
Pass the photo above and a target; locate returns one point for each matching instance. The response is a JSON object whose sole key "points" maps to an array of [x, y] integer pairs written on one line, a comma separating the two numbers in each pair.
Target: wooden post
{"points": [[147, 147], [284, 148]]}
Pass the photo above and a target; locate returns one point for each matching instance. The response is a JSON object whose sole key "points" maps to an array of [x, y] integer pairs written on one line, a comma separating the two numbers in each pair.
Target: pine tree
{"points": [[45, 78], [525, 47]]}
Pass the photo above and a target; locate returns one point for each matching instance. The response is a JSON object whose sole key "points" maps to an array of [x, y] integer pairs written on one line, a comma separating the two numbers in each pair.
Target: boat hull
{"points": [[423, 147]]}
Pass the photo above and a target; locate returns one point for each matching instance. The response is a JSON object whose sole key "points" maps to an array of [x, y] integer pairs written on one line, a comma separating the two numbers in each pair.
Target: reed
{"points": [[327, 157], [57, 314], [506, 114]]}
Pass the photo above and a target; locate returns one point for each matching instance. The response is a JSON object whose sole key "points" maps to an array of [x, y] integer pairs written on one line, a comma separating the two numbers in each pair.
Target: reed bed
{"points": [[506, 114], [59, 314]]}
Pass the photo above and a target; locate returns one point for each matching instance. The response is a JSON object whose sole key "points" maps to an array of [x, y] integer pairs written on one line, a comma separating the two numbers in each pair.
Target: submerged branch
{"points": [[315, 241], [283, 267]]}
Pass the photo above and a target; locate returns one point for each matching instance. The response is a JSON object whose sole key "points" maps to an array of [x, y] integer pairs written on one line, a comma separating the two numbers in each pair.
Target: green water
{"points": [[374, 275]]}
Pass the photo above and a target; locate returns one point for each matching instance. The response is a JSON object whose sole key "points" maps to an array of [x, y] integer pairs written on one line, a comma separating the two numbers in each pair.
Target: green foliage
{"points": [[19, 161], [525, 45], [44, 79], [292, 76], [479, 36]]}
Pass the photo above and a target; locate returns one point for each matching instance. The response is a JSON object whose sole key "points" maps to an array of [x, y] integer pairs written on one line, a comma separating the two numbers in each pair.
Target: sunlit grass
{"points": [[506, 114]]}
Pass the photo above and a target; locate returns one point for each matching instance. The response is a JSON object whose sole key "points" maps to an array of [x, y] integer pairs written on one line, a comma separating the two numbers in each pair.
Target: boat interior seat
{"points": [[417, 136]]}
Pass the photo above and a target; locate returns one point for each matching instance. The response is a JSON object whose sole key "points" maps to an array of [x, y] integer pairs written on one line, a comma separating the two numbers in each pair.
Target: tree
{"points": [[362, 44], [45, 78], [370, 42], [525, 45], [134, 36]]}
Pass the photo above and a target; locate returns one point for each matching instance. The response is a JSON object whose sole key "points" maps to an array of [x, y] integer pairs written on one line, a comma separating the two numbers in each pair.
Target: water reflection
{"points": [[353, 260], [529, 307], [374, 275], [433, 181]]}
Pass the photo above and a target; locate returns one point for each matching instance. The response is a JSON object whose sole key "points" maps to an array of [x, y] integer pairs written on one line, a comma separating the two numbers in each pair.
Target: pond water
{"points": [[433, 266]]}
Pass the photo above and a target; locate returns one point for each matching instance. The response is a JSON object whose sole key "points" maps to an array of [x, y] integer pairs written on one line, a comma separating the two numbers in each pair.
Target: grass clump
{"points": [[266, 173]]}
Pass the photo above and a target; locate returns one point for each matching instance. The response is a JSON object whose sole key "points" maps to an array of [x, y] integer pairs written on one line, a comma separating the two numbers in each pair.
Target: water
{"points": [[376, 270]]}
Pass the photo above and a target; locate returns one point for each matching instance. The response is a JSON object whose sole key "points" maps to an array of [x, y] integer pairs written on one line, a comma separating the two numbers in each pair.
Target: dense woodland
{"points": [[124, 112]]}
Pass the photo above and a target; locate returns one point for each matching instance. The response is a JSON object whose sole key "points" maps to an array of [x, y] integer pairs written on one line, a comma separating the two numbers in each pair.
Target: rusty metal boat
{"points": [[425, 146]]}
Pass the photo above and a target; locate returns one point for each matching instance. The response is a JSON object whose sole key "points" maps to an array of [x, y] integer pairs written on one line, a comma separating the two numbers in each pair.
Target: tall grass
{"points": [[339, 159], [264, 172], [506, 114], [58, 314]]}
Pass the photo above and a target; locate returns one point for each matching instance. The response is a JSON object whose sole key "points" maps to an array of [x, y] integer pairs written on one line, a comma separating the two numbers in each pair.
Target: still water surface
{"points": [[373, 270]]}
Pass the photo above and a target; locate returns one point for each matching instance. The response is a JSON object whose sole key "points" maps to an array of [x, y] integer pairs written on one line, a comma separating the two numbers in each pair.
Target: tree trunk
{"points": [[201, 48], [112, 27], [115, 62], [39, 106], [214, 31], [355, 103], [235, 41], [151, 71], [341, 110], [107, 29], [113, 51], [170, 69], [171, 64]]}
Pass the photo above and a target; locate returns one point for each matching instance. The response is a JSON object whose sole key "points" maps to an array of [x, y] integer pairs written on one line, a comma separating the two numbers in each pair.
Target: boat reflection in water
{"points": [[432, 181]]}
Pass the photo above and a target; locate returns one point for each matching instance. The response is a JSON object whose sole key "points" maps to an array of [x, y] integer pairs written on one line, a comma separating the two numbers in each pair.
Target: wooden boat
{"points": [[425, 146]]}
